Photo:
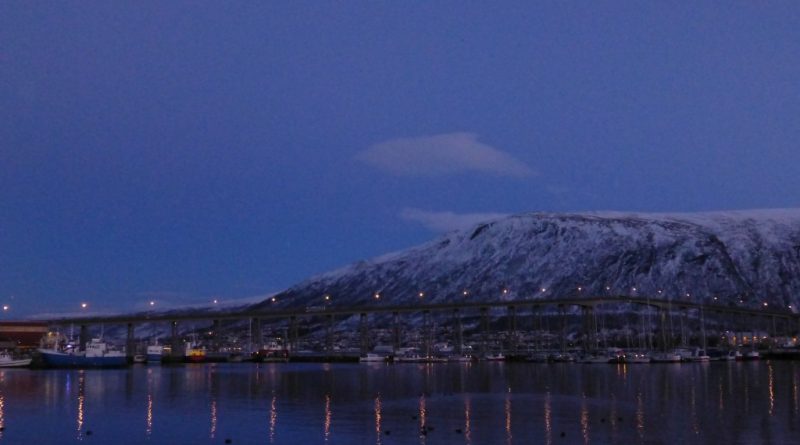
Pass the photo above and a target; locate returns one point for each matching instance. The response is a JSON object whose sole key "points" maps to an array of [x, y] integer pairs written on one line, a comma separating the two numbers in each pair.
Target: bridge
{"points": [[513, 308]]}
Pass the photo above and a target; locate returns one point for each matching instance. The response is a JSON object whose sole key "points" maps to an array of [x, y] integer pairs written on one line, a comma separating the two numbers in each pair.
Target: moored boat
{"points": [[8, 361], [371, 357], [594, 359], [194, 353], [155, 353], [665, 357], [96, 355], [495, 357], [751, 355], [637, 357]]}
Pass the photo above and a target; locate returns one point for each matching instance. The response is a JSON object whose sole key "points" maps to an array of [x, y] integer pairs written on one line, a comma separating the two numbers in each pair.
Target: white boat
{"points": [[700, 355], [155, 353], [730, 355], [494, 357], [371, 358], [463, 358], [411, 358], [7, 361]]}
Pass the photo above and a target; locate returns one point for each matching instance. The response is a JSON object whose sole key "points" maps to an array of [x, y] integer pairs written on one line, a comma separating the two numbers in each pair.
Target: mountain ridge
{"points": [[749, 255]]}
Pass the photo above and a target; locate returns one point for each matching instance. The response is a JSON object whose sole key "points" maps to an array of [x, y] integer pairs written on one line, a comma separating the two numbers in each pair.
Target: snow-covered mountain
{"points": [[753, 255]]}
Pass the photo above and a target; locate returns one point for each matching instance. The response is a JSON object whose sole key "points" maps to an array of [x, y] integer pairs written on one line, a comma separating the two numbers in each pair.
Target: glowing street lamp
{"points": [[327, 297], [273, 299], [377, 296], [543, 290], [466, 292], [6, 307], [216, 301], [422, 294], [84, 305]]}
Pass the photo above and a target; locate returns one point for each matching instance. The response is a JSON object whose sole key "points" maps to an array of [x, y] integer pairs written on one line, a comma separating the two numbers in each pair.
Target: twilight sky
{"points": [[182, 151]]}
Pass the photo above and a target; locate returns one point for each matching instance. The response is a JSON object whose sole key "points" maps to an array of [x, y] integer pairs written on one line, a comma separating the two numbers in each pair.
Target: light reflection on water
{"points": [[480, 403]]}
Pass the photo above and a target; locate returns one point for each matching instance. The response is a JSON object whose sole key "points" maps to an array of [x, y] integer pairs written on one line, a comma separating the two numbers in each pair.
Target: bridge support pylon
{"points": [[458, 332], [130, 342], [364, 328], [396, 344], [512, 329], [256, 340], [83, 337], [175, 341], [484, 331]]}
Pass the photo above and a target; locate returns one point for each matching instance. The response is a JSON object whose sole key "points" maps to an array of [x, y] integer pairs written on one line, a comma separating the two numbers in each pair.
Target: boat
{"points": [[8, 361], [751, 355], [538, 357], [139, 358], [665, 357], [371, 357], [96, 355], [155, 353], [637, 357], [562, 357], [462, 358], [270, 352], [495, 357], [593, 359], [700, 355], [194, 353]]}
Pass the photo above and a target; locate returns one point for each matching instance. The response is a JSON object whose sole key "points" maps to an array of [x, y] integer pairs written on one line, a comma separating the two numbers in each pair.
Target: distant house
{"points": [[24, 335]]}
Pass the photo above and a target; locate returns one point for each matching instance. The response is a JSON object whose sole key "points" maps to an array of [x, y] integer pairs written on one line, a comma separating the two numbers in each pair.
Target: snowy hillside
{"points": [[753, 255]]}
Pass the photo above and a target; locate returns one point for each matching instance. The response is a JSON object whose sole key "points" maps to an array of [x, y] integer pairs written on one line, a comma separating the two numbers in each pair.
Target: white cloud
{"points": [[447, 221], [442, 154]]}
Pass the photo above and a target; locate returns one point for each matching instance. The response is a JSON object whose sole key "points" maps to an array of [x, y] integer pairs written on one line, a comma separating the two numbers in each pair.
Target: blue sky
{"points": [[181, 151]]}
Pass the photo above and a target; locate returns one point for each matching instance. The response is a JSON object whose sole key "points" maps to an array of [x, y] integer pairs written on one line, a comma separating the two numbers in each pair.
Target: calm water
{"points": [[487, 403]]}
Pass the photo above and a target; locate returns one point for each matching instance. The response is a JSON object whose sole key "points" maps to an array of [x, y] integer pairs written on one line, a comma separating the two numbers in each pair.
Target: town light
{"points": [[377, 296], [273, 299], [152, 303], [5, 307], [84, 305], [421, 294]]}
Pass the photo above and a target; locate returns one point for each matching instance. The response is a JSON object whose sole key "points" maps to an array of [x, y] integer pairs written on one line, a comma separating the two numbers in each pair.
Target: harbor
{"points": [[589, 330]]}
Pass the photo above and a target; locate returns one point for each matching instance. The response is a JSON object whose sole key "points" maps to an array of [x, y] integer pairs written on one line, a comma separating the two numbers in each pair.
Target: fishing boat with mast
{"points": [[97, 354]]}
